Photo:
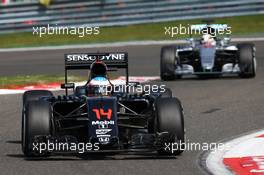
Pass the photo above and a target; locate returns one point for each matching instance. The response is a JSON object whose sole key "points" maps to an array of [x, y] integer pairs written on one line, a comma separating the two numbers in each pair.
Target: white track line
{"points": [[116, 44], [234, 148]]}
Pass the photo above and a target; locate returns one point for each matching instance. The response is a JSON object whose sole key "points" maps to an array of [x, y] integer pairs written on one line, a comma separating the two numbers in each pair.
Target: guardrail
{"points": [[23, 16]]}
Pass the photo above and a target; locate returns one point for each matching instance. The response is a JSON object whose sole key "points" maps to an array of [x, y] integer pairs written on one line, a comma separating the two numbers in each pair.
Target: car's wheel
{"points": [[36, 122], [167, 93], [33, 95], [247, 60], [170, 119], [168, 62]]}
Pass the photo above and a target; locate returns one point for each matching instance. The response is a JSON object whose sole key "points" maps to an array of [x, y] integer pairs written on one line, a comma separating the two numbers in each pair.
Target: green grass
{"points": [[11, 82], [18, 81], [241, 25]]}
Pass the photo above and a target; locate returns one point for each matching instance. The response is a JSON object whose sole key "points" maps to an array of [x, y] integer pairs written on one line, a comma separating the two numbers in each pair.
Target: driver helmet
{"points": [[99, 86], [208, 40], [98, 69]]}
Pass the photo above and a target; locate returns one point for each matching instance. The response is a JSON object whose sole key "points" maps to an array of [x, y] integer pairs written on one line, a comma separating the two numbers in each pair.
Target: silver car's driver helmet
{"points": [[209, 30], [98, 69], [208, 40]]}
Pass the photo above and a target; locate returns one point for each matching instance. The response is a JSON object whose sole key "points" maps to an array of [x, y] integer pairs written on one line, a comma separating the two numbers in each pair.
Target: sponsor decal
{"points": [[87, 57], [102, 131], [101, 113], [105, 122], [104, 139]]}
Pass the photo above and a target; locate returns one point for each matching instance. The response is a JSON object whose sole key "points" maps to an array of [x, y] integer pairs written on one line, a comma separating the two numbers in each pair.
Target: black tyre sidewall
{"points": [[36, 121], [34, 95], [31, 95], [246, 60], [167, 62], [166, 94], [170, 119]]}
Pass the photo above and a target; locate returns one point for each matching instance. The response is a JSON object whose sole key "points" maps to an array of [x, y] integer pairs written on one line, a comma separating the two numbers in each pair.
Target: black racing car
{"points": [[110, 121], [209, 56]]}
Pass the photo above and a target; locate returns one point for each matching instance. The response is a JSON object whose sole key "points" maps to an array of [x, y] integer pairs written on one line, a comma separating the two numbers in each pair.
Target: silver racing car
{"points": [[210, 55]]}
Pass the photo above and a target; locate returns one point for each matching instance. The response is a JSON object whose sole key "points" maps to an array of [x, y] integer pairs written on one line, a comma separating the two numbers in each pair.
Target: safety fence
{"points": [[22, 16]]}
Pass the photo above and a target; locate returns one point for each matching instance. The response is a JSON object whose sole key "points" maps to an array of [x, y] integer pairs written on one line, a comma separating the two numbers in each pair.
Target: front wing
{"points": [[186, 69]]}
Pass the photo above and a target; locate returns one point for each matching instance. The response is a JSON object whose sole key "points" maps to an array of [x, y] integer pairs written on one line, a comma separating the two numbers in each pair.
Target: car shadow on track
{"points": [[126, 156], [91, 158], [14, 141]]}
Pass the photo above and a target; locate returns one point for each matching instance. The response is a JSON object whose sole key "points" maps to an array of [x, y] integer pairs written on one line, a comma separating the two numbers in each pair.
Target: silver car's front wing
{"points": [[186, 69]]}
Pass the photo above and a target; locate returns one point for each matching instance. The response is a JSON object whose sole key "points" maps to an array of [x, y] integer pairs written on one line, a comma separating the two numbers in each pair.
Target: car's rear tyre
{"points": [[33, 95], [36, 121], [170, 119], [168, 62], [167, 93], [247, 60]]}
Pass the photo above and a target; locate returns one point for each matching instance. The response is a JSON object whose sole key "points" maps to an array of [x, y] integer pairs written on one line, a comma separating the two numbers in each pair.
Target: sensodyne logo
{"points": [[87, 57]]}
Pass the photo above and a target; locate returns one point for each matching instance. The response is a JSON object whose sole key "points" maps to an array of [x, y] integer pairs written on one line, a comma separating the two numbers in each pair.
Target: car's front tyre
{"points": [[170, 119], [33, 95], [247, 61], [168, 62], [36, 121]]}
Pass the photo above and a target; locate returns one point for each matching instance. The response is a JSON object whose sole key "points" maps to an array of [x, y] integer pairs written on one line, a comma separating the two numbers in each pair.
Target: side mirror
{"points": [[67, 86]]}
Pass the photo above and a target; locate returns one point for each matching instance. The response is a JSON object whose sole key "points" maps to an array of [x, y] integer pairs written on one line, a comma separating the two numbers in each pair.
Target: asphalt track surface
{"points": [[215, 109]]}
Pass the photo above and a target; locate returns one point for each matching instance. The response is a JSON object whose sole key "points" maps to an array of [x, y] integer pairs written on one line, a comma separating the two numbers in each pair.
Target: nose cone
{"points": [[207, 56]]}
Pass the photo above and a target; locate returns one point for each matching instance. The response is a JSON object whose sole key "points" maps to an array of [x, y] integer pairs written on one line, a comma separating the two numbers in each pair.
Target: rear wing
{"points": [[84, 60], [78, 61]]}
